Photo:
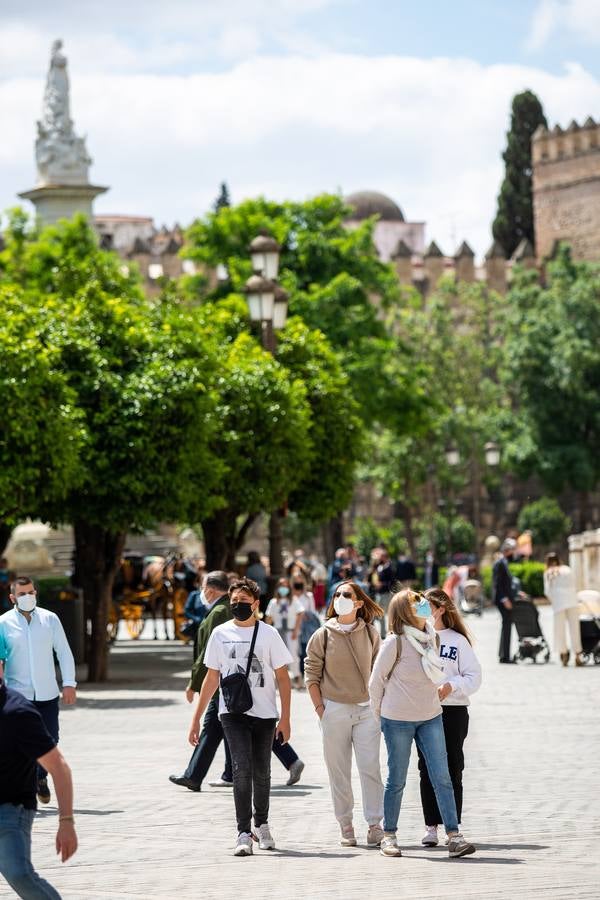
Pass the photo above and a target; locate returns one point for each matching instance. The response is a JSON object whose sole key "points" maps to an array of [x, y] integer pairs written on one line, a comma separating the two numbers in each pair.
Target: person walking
{"points": [[559, 588], [31, 636], [503, 595], [249, 659], [215, 590], [25, 742], [285, 612], [216, 598], [404, 697], [338, 665], [462, 677]]}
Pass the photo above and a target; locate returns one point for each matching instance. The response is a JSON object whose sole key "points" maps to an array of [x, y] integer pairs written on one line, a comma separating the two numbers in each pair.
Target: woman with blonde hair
{"points": [[404, 696], [462, 677], [338, 664], [560, 589]]}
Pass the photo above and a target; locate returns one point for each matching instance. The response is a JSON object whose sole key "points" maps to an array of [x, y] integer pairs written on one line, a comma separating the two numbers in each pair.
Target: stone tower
{"points": [[566, 189], [63, 187]]}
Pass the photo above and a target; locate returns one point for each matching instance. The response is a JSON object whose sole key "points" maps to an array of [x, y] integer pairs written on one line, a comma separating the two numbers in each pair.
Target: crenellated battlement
{"points": [[552, 145], [566, 188]]}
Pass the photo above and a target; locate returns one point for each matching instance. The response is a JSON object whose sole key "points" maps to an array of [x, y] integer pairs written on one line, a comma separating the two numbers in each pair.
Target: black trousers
{"points": [[456, 727], [210, 738], [507, 620], [250, 741], [48, 710]]}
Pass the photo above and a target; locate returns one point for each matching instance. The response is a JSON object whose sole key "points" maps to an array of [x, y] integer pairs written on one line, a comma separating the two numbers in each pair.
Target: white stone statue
{"points": [[61, 156]]}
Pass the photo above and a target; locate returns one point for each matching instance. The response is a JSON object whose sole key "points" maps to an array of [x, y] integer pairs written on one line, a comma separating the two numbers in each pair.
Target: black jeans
{"points": [[48, 710], [455, 720], [250, 741], [507, 620], [204, 753]]}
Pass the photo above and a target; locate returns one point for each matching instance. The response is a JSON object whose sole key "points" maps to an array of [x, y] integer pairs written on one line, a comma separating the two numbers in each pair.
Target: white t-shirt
{"points": [[283, 612], [227, 652]]}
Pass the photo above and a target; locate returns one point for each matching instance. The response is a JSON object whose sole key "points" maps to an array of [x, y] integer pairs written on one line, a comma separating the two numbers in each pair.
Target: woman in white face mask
{"points": [[338, 665]]}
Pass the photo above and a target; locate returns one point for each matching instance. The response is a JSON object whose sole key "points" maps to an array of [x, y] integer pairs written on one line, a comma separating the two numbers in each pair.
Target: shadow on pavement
{"points": [[52, 813], [123, 703], [303, 854]]}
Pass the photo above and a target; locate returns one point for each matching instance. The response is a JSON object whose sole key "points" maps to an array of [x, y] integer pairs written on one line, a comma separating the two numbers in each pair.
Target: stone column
{"points": [[434, 265], [591, 559], [576, 559], [402, 259], [495, 268], [464, 263]]}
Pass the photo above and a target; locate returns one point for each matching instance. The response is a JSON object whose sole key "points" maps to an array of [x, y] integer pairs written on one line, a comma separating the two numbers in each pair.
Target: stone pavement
{"points": [[531, 797]]}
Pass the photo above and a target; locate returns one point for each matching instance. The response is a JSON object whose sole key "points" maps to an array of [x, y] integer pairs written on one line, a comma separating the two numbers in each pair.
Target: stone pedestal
{"points": [[61, 201], [591, 559], [576, 560]]}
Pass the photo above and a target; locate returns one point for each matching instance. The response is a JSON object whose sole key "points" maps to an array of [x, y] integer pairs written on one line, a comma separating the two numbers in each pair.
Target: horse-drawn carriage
{"points": [[150, 587]]}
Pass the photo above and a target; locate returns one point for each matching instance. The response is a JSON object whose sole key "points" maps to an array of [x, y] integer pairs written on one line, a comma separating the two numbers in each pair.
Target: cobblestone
{"points": [[531, 797]]}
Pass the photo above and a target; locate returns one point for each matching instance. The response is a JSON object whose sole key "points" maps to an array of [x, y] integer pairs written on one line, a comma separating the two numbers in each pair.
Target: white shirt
{"points": [[283, 612], [227, 652], [559, 587], [29, 666], [461, 667]]}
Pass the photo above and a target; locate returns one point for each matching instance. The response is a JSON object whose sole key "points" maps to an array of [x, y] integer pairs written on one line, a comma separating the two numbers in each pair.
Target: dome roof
{"points": [[372, 203]]}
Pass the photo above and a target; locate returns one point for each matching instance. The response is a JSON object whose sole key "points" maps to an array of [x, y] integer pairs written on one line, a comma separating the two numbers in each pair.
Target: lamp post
{"points": [[453, 460], [268, 306], [491, 452]]}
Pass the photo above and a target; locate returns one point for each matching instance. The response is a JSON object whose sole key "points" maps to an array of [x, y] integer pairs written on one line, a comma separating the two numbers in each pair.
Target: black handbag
{"points": [[235, 690]]}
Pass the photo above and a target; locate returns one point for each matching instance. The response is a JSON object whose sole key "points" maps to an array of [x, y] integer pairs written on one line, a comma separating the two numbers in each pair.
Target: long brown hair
{"points": [[401, 612], [368, 611], [451, 617]]}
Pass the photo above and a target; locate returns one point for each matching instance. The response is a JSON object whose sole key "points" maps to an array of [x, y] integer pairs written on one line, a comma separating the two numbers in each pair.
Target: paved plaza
{"points": [[532, 792]]}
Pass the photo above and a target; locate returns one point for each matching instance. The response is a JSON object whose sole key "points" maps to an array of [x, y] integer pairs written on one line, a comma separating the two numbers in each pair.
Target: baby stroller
{"points": [[532, 642], [471, 597], [589, 623]]}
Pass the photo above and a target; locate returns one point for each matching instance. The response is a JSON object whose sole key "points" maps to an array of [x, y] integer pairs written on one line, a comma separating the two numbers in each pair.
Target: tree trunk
{"points": [[404, 512], [584, 510], [98, 553], [5, 533], [220, 540], [276, 544]]}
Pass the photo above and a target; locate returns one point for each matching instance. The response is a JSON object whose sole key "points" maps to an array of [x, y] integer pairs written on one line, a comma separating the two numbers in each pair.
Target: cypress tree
{"points": [[223, 199], [514, 217]]}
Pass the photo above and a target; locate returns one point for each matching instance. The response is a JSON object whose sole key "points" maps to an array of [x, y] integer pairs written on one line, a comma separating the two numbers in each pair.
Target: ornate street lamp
{"points": [[280, 308], [264, 252], [260, 294], [492, 454]]}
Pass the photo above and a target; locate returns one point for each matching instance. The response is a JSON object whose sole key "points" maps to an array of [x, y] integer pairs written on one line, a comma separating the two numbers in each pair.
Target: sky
{"points": [[289, 98]]}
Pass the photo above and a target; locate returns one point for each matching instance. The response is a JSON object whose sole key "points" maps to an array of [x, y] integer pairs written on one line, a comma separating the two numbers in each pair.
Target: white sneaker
{"points": [[375, 835], [220, 782], [389, 846], [244, 844], [457, 846], [348, 838], [430, 838], [263, 835]]}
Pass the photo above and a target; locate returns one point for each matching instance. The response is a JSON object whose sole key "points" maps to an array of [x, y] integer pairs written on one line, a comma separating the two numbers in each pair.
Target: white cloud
{"points": [[579, 17], [428, 132]]}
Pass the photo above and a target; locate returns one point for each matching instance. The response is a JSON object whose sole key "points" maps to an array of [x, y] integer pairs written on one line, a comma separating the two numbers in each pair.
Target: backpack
{"points": [[235, 690]]}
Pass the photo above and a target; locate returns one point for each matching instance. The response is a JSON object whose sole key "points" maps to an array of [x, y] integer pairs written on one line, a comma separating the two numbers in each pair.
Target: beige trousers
{"points": [[346, 726], [563, 618]]}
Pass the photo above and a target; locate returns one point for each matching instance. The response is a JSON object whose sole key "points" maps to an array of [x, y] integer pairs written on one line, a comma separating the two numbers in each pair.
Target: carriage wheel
{"points": [[179, 597]]}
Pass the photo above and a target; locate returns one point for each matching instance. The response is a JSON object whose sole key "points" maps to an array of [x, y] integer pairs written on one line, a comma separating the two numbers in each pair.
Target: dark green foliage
{"points": [[223, 199], [545, 519], [514, 217]]}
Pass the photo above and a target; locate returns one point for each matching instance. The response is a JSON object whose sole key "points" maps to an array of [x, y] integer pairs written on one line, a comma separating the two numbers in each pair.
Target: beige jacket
{"points": [[340, 662]]}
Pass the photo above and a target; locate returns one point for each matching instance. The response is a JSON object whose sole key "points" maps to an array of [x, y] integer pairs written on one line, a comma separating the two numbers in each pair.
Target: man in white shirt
{"points": [[29, 637]]}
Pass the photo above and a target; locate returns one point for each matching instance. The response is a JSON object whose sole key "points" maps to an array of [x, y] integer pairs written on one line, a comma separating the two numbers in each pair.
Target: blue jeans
{"points": [[430, 740], [15, 854]]}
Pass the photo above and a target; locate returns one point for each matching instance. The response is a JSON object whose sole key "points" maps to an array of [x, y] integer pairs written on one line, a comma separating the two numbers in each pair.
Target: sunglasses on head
{"points": [[347, 594]]}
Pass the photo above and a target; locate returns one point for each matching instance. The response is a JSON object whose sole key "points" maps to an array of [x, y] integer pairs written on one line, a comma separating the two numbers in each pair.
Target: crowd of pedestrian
{"points": [[378, 655]]}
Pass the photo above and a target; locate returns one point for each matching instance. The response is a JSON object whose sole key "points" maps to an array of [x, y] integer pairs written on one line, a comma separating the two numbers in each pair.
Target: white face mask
{"points": [[343, 605], [27, 602]]}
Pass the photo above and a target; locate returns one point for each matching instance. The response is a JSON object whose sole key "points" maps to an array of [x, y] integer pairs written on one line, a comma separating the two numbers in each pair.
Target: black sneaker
{"points": [[43, 791]]}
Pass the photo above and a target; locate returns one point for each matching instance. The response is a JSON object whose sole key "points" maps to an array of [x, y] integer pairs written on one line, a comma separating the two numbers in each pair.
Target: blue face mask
{"points": [[283, 591], [423, 608]]}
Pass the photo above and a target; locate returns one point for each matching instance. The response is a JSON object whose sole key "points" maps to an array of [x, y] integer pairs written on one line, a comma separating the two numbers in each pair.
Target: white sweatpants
{"points": [[344, 726], [563, 618]]}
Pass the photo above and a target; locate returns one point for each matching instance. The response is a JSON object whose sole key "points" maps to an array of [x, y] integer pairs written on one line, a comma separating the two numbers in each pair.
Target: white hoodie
{"points": [[461, 667]]}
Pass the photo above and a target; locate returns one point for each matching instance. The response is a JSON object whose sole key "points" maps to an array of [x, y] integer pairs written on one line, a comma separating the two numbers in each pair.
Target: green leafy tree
{"points": [[545, 519], [42, 432], [224, 199], [552, 373], [514, 217], [144, 405]]}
